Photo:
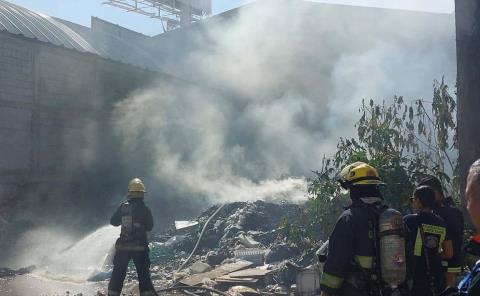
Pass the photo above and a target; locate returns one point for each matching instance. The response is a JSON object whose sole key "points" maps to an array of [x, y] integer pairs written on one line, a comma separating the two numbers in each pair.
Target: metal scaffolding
{"points": [[172, 13]]}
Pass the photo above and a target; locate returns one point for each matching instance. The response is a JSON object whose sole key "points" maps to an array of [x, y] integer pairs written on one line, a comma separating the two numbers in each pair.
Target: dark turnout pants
{"points": [[348, 289], [120, 264], [422, 286]]}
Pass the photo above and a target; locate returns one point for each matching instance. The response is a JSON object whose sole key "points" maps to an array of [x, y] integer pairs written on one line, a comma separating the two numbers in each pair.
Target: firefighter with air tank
{"points": [[135, 220], [428, 242], [366, 248], [445, 209]]}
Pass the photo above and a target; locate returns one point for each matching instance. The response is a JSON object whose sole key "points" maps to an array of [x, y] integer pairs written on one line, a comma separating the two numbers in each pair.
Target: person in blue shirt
{"points": [[427, 243]]}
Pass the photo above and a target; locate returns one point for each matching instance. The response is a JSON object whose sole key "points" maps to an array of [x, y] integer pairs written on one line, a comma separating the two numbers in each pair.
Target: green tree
{"points": [[404, 141]]}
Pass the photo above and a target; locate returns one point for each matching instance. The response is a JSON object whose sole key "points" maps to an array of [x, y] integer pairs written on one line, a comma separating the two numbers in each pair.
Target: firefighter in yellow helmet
{"points": [[349, 267], [135, 219]]}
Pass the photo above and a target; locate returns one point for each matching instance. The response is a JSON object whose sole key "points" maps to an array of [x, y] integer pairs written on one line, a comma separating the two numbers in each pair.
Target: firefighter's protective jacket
{"points": [[140, 217], [455, 225], [351, 245], [421, 276]]}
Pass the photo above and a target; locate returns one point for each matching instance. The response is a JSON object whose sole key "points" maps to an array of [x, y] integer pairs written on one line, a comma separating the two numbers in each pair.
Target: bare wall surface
{"points": [[16, 93], [60, 163]]}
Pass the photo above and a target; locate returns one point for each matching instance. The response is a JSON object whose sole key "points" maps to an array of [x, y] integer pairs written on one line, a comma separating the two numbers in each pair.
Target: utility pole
{"points": [[467, 16]]}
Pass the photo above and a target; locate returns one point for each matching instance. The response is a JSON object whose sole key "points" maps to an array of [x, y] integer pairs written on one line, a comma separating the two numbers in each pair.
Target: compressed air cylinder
{"points": [[127, 221], [392, 247]]}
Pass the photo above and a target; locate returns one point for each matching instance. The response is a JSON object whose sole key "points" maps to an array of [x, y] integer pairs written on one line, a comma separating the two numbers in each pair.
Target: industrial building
{"points": [[60, 81]]}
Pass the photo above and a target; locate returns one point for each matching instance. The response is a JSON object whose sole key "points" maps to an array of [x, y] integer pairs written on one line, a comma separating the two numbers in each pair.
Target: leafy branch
{"points": [[403, 140]]}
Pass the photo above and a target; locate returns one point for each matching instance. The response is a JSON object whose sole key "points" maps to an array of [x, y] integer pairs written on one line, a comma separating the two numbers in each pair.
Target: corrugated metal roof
{"points": [[19, 20], [125, 50]]}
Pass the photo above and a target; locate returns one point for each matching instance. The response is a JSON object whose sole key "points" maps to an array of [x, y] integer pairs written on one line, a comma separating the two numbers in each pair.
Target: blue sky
{"points": [[80, 11]]}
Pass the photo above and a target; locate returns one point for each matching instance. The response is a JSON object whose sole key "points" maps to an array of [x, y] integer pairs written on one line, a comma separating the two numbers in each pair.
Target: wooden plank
{"points": [[251, 272], [228, 279], [198, 279]]}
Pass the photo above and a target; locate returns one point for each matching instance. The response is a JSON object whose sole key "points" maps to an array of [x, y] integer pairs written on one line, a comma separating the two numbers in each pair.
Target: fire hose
{"points": [[190, 257], [200, 237]]}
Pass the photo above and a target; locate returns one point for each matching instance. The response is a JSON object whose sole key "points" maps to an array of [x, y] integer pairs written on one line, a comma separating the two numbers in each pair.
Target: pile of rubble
{"points": [[235, 249], [7, 272], [242, 251]]}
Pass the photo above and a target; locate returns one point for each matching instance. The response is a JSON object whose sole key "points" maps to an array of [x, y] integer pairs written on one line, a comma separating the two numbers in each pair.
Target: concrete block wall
{"points": [[66, 88], [65, 78], [56, 138], [16, 70], [16, 101]]}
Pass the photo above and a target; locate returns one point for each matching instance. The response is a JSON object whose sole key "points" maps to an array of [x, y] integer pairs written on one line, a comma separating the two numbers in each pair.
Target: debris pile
{"points": [[243, 251], [7, 272], [236, 249]]}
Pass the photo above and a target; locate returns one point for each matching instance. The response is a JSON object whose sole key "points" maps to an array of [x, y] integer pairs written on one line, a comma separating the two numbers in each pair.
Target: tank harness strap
{"points": [[373, 275], [427, 260], [373, 225]]}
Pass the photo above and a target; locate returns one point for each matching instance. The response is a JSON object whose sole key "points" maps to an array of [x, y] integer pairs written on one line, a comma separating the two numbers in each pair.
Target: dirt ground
{"points": [[29, 284]]}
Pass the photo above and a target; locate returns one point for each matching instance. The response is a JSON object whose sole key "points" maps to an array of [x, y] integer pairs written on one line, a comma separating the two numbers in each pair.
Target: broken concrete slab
{"points": [[185, 224], [215, 258], [197, 279], [281, 252], [243, 290], [248, 241], [250, 273], [226, 279], [175, 241], [199, 267], [184, 227]]}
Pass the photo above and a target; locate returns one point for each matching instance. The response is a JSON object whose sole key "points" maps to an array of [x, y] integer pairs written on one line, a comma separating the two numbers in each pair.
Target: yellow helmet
{"points": [[359, 173], [136, 188]]}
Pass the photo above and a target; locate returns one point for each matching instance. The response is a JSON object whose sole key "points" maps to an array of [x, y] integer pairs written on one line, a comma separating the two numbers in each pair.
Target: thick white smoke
{"points": [[189, 132], [276, 86]]}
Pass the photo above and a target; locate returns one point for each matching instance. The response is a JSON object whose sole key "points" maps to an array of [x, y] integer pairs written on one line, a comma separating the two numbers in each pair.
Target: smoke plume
{"points": [[261, 94], [275, 85]]}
